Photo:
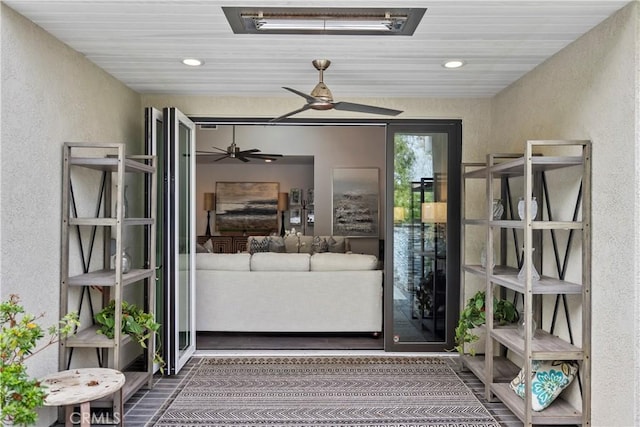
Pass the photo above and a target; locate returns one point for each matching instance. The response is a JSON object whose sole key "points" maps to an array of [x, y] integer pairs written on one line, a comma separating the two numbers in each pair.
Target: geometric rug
{"points": [[323, 391]]}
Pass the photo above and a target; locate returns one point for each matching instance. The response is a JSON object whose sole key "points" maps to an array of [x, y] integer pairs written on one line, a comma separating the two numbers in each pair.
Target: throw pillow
{"points": [[200, 249], [208, 246], [276, 244], [548, 379], [336, 246], [319, 245], [257, 245]]}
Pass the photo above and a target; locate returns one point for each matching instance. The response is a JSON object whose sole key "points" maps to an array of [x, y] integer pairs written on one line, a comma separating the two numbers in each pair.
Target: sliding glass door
{"points": [[422, 256], [171, 136]]}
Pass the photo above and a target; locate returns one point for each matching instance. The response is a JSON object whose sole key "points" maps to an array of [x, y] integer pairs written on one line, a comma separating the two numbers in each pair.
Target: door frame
{"points": [[453, 128]]}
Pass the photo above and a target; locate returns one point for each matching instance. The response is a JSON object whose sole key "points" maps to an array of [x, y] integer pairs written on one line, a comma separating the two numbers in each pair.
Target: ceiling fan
{"points": [[234, 152], [322, 99]]}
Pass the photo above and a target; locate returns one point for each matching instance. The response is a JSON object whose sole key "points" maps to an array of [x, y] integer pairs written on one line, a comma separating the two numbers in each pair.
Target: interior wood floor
{"points": [[289, 341]]}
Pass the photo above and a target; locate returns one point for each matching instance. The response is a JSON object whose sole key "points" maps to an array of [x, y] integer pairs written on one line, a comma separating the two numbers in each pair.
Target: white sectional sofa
{"points": [[288, 292]]}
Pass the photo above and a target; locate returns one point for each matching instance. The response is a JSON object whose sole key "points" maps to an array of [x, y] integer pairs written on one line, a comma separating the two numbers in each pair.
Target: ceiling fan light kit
{"points": [[321, 98]]}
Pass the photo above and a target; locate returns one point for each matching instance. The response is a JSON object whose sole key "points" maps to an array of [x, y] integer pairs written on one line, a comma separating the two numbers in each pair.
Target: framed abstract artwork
{"points": [[247, 206], [355, 202]]}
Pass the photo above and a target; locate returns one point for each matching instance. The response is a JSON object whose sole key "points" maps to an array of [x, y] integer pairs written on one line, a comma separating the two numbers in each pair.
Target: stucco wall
{"points": [[589, 91], [50, 94]]}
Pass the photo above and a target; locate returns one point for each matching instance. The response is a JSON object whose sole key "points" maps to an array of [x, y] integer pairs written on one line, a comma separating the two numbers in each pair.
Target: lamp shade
{"points": [[434, 212], [209, 201], [398, 213], [283, 201]]}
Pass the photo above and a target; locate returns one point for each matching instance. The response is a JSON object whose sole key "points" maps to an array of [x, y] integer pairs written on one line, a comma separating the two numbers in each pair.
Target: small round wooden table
{"points": [[81, 386]]}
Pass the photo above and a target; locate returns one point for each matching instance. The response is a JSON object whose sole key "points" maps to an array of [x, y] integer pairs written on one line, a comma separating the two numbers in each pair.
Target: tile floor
{"points": [[142, 407]]}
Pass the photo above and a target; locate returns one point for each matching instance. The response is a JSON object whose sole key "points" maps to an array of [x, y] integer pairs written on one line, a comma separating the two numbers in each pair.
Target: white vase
{"points": [[534, 208], [483, 259], [522, 325], [534, 273]]}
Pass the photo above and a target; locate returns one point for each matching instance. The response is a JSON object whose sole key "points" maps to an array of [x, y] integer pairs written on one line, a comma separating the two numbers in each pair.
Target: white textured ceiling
{"points": [[141, 43]]}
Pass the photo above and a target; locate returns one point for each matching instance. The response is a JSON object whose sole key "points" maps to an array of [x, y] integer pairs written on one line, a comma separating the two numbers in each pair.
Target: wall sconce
{"points": [[283, 205], [398, 214], [209, 205]]}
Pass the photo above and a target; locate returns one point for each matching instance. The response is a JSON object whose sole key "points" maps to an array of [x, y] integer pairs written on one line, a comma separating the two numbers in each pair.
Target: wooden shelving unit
{"points": [[496, 370], [111, 165]]}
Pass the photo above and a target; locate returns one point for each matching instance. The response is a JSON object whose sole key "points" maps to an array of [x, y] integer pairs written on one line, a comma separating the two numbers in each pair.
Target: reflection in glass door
{"points": [[423, 274]]}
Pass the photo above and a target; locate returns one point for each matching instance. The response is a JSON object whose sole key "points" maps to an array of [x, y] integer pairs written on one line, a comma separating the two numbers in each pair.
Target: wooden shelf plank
{"points": [[110, 164], [504, 369], [475, 221], [109, 222], [537, 225], [546, 285], [89, 337], [544, 346], [134, 381], [558, 413], [98, 222], [108, 277]]}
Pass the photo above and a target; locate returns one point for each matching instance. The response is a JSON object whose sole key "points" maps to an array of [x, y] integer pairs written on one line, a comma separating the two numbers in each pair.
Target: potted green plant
{"points": [[20, 395], [473, 315], [136, 323]]}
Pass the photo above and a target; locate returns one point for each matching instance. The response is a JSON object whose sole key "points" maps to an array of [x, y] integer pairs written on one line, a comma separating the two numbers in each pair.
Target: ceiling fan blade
{"points": [[209, 152], [299, 110], [251, 151], [271, 157], [222, 157], [308, 97], [242, 158], [362, 108]]}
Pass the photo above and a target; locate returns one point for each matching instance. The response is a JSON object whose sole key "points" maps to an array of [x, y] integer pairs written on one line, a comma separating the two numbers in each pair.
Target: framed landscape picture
{"points": [[295, 216], [247, 206], [355, 202]]}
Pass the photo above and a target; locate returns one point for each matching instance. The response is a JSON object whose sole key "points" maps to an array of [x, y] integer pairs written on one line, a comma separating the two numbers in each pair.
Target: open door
{"points": [[171, 136], [422, 283]]}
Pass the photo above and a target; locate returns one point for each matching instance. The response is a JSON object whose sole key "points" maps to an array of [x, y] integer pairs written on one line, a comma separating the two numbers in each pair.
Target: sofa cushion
{"points": [[227, 262], [270, 261], [342, 262]]}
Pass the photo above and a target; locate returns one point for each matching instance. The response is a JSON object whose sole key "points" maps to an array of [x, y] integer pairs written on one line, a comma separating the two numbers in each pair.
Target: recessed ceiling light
{"points": [[454, 63], [192, 62]]}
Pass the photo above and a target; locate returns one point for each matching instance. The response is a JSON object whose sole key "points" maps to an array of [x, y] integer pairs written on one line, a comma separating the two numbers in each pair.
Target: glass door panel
{"points": [[154, 145], [180, 283], [422, 293], [185, 337], [171, 136]]}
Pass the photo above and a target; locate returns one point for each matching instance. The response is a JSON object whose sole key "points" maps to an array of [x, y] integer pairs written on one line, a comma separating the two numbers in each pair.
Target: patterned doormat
{"points": [[323, 391]]}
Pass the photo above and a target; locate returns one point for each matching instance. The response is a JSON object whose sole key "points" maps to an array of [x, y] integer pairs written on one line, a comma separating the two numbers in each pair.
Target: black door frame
{"points": [[454, 129]]}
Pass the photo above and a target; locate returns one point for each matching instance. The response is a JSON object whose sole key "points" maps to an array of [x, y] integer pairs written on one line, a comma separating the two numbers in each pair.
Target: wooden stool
{"points": [[81, 386]]}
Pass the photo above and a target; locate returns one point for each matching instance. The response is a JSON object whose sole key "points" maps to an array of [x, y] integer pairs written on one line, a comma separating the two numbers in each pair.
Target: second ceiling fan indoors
{"points": [[321, 98], [234, 152]]}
